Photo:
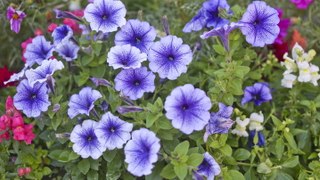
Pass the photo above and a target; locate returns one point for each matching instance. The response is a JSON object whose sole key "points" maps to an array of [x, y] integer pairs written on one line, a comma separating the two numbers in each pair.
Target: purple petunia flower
{"points": [[100, 82], [260, 24], [302, 4], [208, 168], [86, 142], [188, 108], [126, 57], [169, 57], [113, 132], [105, 15], [128, 109], [258, 93], [43, 72], [15, 18], [31, 100], [261, 139], [38, 50], [223, 33], [83, 102], [135, 82], [219, 122], [284, 25], [196, 23], [136, 33], [141, 152], [62, 34], [65, 14], [211, 12], [68, 50]]}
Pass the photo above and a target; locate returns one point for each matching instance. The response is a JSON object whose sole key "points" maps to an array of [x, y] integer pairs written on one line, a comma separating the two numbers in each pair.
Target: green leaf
{"points": [[168, 172], [283, 176], [93, 175], [219, 49], [82, 78], [228, 98], [290, 139], [181, 170], [109, 155], [182, 148], [263, 168], [279, 148], [241, 154], [291, 162], [46, 171], [195, 159], [235, 87], [151, 118], [241, 71], [84, 166], [233, 174]]}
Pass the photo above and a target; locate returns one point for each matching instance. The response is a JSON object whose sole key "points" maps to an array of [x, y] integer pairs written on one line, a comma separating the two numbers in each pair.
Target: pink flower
{"points": [[38, 32], [284, 25], [19, 134], [21, 172], [24, 45], [29, 135], [52, 27], [17, 121], [73, 24], [5, 122], [302, 4], [15, 18], [27, 170]]}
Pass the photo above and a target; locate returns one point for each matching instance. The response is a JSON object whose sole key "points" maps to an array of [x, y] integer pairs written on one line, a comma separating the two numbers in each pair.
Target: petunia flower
{"points": [[136, 33], [68, 50], [43, 72], [135, 82], [211, 12], [169, 57], [302, 4], [126, 57], [196, 23], [141, 152], [17, 76], [86, 142], [66, 14], [31, 100], [62, 34], [260, 24], [105, 15], [209, 168], [15, 17], [128, 109], [38, 50], [261, 139], [112, 132], [219, 122], [83, 102], [241, 126], [223, 33], [188, 108], [100, 82], [258, 93]]}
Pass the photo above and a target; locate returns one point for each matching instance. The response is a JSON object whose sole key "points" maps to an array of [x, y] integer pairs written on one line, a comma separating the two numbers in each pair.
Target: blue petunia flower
{"points": [[136, 33], [31, 100], [126, 57], [105, 15], [62, 34], [68, 50], [211, 12], [198, 22], [113, 132], [17, 76], [219, 122], [86, 142], [135, 82], [261, 139], [141, 152], [208, 168], [223, 33], [83, 102], [258, 93], [38, 50], [188, 108], [43, 72], [169, 57], [260, 24]]}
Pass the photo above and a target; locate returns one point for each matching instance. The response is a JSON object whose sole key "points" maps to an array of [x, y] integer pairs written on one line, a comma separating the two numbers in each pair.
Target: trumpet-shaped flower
{"points": [[258, 93], [209, 168], [188, 108], [196, 23], [68, 50], [141, 152], [211, 12], [62, 34], [15, 17], [38, 51]]}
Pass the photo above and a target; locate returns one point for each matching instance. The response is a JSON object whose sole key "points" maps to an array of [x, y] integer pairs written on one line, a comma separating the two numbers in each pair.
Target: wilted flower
{"points": [[136, 33], [260, 24], [240, 129], [65, 14], [135, 82], [209, 168], [258, 93], [113, 132], [126, 57], [128, 109], [85, 140], [43, 72], [62, 34], [141, 152], [100, 82], [211, 12], [105, 15], [169, 57], [15, 18], [38, 50], [188, 108], [31, 100], [302, 4], [68, 50], [83, 102], [255, 121]]}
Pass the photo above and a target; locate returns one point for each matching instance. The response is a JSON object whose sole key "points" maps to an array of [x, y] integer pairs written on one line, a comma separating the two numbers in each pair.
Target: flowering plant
{"points": [[106, 94]]}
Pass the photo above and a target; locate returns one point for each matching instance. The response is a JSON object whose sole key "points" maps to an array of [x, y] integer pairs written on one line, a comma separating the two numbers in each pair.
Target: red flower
{"points": [[297, 38], [5, 76], [73, 23], [280, 49], [52, 27]]}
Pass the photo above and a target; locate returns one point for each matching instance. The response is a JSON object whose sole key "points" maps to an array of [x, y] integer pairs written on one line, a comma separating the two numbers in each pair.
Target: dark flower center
{"points": [[104, 17], [15, 16], [136, 82], [33, 96], [256, 22], [124, 62], [170, 57], [89, 138], [138, 40], [185, 107], [112, 129]]}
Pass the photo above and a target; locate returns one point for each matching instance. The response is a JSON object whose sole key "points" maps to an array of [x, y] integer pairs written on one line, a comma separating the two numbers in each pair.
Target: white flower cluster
{"points": [[255, 123], [299, 64]]}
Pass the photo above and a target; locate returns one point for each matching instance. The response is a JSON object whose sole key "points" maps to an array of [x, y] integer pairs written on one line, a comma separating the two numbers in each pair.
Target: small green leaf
{"points": [[93, 175], [84, 166], [219, 49], [109, 155], [181, 170], [290, 139], [263, 168], [195, 159], [291, 162], [234, 174], [279, 148], [182, 148], [168, 172], [241, 154]]}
